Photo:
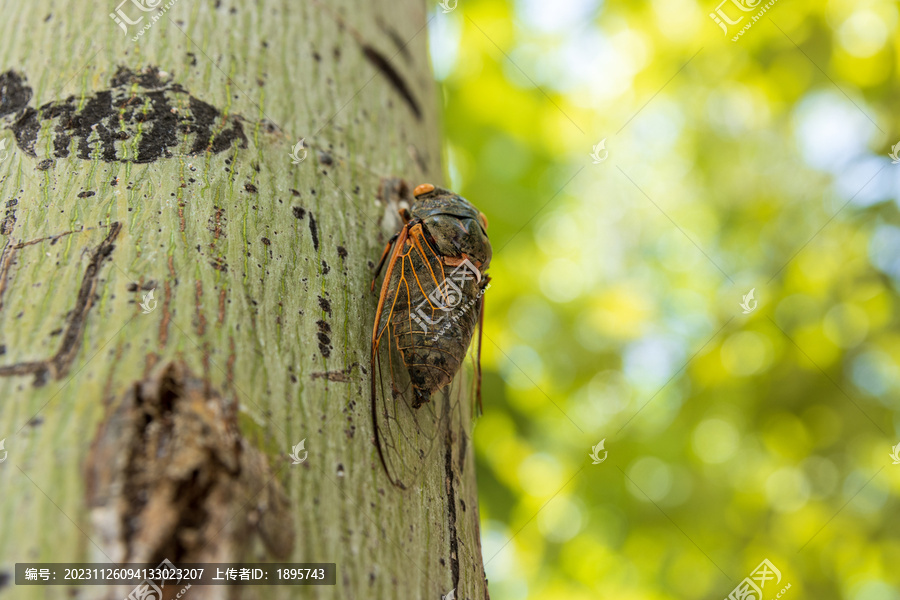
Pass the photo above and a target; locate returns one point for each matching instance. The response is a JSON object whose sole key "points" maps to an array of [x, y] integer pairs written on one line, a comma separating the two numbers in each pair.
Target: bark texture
{"points": [[162, 165]]}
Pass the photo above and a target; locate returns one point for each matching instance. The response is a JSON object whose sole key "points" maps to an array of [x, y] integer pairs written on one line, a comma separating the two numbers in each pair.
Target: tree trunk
{"points": [[140, 428]]}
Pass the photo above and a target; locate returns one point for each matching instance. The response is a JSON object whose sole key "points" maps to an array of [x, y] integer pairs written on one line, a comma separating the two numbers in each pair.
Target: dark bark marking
{"points": [[58, 365], [380, 62], [402, 46], [14, 93], [451, 507], [314, 230], [162, 113], [325, 305], [322, 336]]}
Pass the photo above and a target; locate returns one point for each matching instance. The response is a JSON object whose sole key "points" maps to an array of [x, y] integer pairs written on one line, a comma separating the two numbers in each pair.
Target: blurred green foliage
{"points": [[615, 311]]}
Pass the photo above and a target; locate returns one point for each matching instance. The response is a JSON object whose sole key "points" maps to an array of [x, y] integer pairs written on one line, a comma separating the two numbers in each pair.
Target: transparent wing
{"points": [[406, 437]]}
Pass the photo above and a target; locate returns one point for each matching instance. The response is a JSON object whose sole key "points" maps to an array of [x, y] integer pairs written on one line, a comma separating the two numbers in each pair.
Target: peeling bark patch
{"points": [[58, 365], [380, 62], [168, 476], [123, 124], [314, 230]]}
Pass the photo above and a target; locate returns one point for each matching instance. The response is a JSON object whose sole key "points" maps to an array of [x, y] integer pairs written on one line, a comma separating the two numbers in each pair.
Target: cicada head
{"points": [[455, 224]]}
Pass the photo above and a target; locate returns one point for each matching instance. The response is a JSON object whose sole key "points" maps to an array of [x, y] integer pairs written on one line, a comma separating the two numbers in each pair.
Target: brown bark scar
{"points": [[221, 319], [168, 471], [232, 357], [342, 376], [201, 320], [166, 315], [58, 365]]}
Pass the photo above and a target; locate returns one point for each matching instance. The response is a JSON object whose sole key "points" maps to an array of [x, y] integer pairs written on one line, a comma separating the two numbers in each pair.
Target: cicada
{"points": [[430, 304]]}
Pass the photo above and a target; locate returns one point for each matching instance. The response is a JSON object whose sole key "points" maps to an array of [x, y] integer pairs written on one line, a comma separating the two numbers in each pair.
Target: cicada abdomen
{"points": [[430, 303]]}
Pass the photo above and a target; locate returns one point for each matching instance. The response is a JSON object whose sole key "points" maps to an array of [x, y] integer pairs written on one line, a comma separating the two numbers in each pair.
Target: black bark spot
{"points": [[325, 305], [314, 230], [299, 212], [324, 339]]}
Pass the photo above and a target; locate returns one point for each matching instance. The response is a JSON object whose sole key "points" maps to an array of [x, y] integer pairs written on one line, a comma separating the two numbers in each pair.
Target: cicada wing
{"points": [[405, 436]]}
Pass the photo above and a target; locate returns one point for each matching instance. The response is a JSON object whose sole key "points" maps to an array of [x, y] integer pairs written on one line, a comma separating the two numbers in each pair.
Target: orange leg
{"points": [[384, 256]]}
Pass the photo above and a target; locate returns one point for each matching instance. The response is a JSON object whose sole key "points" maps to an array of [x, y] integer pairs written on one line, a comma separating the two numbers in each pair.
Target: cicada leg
{"points": [[487, 279], [384, 255]]}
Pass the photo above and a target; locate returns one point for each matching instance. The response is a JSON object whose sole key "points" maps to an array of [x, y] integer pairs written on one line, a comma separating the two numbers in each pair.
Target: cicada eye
{"points": [[484, 220]]}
